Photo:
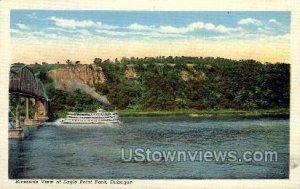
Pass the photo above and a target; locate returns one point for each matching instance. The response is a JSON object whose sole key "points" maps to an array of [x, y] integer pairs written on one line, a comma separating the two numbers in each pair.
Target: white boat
{"points": [[91, 118]]}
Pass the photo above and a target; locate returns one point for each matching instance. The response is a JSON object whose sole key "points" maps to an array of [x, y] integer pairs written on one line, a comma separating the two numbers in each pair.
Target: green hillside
{"points": [[177, 84]]}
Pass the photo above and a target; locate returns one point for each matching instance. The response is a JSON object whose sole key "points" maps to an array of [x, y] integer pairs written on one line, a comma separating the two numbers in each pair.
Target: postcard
{"points": [[149, 93]]}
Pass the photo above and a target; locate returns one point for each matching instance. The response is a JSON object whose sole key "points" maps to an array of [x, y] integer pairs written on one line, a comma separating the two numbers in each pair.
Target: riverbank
{"points": [[207, 113], [280, 112]]}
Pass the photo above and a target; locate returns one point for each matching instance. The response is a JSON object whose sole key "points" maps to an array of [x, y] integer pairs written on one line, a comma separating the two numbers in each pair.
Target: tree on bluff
{"points": [[208, 83]]}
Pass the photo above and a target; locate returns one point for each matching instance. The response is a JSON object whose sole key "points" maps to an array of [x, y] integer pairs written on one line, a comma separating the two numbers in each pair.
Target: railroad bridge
{"points": [[24, 84]]}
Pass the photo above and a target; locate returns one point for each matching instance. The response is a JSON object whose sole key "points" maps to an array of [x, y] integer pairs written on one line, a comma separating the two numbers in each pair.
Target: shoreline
{"points": [[192, 113], [207, 113]]}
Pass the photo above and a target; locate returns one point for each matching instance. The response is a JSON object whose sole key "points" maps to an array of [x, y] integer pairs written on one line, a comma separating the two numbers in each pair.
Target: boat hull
{"points": [[90, 124], [100, 118]]}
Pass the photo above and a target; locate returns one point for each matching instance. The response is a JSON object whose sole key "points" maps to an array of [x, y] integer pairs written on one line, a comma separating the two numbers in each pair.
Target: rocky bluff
{"points": [[88, 74]]}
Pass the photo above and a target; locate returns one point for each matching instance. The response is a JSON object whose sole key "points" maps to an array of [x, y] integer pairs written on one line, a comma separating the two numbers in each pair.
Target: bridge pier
{"points": [[27, 121], [41, 110], [27, 108], [17, 132], [40, 115]]}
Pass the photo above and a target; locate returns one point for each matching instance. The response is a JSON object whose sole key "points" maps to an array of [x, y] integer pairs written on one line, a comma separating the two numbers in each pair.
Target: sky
{"points": [[51, 36]]}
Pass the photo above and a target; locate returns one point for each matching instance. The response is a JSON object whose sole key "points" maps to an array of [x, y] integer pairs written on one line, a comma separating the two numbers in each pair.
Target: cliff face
{"points": [[82, 77], [130, 73], [85, 73], [185, 76]]}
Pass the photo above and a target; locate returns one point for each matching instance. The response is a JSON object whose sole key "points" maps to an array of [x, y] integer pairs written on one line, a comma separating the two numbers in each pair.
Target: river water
{"points": [[87, 152]]}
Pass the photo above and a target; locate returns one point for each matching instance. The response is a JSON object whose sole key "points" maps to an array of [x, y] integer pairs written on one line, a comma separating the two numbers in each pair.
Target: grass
{"points": [[196, 113], [207, 113]]}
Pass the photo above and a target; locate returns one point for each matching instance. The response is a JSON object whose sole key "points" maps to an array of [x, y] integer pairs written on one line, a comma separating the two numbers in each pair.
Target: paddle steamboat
{"points": [[91, 118]]}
